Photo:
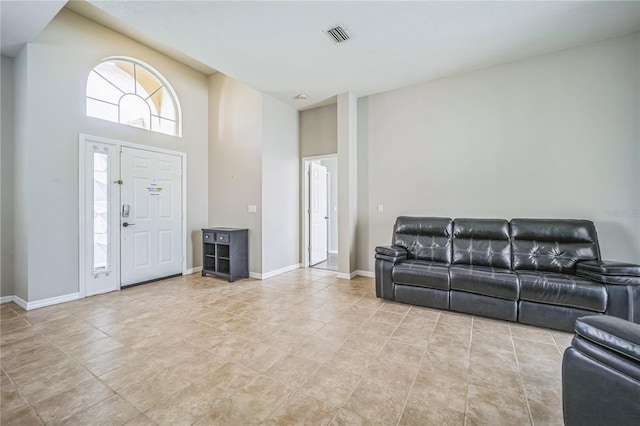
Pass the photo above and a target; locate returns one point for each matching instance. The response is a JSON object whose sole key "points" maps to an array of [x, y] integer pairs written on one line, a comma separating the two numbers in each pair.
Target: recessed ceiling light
{"points": [[301, 97]]}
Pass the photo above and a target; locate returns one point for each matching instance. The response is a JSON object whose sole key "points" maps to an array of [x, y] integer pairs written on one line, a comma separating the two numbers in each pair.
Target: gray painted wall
{"points": [[318, 131], [49, 118], [347, 125], [280, 186], [235, 160], [253, 160], [362, 229], [554, 136], [551, 136], [21, 208], [6, 178]]}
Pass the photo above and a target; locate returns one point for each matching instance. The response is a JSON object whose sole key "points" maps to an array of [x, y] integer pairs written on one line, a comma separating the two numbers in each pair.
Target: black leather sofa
{"points": [[601, 373], [544, 272]]}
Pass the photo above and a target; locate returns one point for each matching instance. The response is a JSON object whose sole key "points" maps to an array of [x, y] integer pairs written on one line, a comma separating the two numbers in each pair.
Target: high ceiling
{"points": [[280, 48], [22, 21]]}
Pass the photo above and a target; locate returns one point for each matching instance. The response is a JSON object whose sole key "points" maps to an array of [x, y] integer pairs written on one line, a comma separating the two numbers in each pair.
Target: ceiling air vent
{"points": [[338, 34]]}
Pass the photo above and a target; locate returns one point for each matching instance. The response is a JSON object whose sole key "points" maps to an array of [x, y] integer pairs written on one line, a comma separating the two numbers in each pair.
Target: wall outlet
{"points": [[251, 208], [380, 208]]}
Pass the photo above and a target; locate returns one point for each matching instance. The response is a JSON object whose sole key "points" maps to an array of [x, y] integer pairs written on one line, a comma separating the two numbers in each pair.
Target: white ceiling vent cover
{"points": [[338, 34]]}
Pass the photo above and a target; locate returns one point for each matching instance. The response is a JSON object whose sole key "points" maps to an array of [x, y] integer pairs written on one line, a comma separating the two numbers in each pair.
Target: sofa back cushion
{"points": [[425, 238], [482, 242], [553, 245]]}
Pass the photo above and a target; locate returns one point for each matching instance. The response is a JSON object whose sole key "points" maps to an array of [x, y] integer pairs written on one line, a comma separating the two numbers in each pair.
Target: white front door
{"points": [[318, 213], [150, 215]]}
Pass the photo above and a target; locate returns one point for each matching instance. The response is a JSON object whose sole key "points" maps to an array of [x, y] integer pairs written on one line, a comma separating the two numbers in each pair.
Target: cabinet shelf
{"points": [[225, 253]]}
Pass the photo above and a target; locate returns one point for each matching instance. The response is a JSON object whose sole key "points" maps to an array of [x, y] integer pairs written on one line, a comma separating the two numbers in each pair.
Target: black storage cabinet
{"points": [[225, 253]]}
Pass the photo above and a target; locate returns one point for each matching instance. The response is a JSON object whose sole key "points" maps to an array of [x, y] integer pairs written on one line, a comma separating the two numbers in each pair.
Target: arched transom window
{"points": [[127, 91]]}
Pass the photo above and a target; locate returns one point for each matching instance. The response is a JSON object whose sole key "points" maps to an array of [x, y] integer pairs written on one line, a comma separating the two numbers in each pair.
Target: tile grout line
{"points": [[466, 399], [524, 390], [404, 405], [20, 393], [238, 295], [71, 358], [360, 378]]}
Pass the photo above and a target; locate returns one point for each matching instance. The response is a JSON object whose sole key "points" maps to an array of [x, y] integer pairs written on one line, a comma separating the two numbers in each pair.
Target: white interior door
{"points": [[318, 213], [150, 215]]}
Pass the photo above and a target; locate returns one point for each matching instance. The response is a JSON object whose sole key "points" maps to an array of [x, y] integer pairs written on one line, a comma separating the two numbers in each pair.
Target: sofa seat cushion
{"points": [[485, 280], [562, 290], [421, 273]]}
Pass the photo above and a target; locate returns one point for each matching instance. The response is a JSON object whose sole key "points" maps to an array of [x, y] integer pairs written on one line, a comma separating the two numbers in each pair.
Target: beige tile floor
{"points": [[331, 264], [300, 348]]}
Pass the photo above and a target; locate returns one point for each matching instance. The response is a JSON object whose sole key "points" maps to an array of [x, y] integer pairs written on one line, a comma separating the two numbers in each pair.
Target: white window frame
{"points": [[165, 83]]}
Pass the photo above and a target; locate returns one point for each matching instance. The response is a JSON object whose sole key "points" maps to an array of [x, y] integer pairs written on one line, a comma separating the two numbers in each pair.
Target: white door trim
{"points": [[84, 140], [304, 203]]}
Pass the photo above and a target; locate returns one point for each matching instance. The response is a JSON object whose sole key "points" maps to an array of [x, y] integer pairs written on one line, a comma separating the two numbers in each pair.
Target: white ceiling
{"points": [[280, 49], [22, 21]]}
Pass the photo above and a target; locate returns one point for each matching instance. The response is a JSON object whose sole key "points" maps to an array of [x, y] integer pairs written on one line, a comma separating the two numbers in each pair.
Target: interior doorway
{"points": [[318, 214], [321, 212]]}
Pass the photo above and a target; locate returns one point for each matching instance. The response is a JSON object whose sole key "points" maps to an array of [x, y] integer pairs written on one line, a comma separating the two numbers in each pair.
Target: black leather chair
{"points": [[601, 373]]}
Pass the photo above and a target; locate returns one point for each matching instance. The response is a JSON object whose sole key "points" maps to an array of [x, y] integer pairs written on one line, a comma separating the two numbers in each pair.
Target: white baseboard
{"points": [[344, 276], [354, 274], [28, 306], [192, 270], [266, 275], [20, 302], [6, 299], [280, 271]]}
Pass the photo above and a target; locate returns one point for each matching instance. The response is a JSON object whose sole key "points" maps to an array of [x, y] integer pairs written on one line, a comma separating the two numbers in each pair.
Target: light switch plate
{"points": [[380, 208], [251, 208]]}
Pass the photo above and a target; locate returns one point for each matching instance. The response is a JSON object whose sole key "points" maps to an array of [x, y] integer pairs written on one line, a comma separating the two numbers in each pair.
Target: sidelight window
{"points": [[100, 211]]}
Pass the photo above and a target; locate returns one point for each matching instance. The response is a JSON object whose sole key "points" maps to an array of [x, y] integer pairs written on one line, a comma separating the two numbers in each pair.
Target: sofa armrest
{"points": [[614, 334], [391, 251], [386, 258], [600, 374], [607, 267], [609, 272], [393, 254]]}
